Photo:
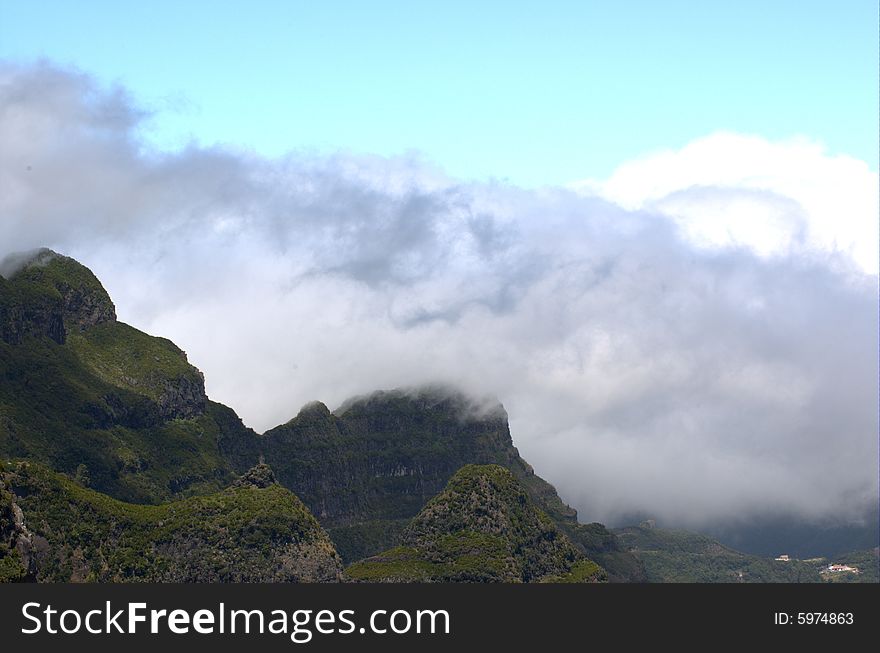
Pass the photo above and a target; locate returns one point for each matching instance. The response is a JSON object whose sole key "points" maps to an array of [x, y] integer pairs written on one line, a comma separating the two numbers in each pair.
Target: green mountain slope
{"points": [[52, 529], [483, 527], [126, 414], [368, 468], [88, 395]]}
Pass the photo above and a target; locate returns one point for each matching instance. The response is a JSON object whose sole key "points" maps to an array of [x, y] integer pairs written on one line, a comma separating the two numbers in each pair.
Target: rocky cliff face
{"points": [[373, 465], [483, 527], [24, 313], [182, 397]]}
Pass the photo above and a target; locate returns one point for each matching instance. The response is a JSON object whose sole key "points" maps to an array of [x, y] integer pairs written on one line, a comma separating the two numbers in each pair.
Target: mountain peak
{"points": [[13, 263], [63, 289], [483, 527], [313, 410]]}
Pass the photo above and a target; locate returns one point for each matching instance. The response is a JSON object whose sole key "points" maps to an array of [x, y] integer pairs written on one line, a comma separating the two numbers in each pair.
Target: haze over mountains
{"points": [[646, 367], [100, 422], [116, 466]]}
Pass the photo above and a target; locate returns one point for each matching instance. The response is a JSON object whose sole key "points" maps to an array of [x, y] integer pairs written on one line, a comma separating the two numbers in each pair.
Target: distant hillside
{"points": [[867, 562], [54, 530], [483, 527], [674, 556]]}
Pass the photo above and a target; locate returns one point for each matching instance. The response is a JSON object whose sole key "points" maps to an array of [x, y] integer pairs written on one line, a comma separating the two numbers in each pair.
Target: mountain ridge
{"points": [[53, 529], [483, 527], [139, 428]]}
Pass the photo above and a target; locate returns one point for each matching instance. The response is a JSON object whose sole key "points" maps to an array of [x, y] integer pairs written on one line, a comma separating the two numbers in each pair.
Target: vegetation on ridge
{"points": [[80, 390], [371, 466], [126, 414], [483, 527], [254, 531]]}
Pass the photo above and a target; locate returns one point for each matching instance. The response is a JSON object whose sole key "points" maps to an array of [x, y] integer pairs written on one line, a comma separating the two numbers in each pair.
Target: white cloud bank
{"points": [[775, 198], [700, 343]]}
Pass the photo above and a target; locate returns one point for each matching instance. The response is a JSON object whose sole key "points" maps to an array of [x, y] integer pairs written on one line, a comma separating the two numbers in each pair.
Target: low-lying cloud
{"points": [[699, 350]]}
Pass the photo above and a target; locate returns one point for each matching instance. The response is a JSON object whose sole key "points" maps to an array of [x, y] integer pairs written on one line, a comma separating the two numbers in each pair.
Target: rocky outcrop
{"points": [[85, 306], [182, 397], [260, 476], [17, 562]]}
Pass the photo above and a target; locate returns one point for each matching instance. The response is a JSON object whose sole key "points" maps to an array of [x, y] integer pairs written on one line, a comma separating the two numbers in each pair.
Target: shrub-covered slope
{"points": [[483, 527], [52, 529], [90, 396]]}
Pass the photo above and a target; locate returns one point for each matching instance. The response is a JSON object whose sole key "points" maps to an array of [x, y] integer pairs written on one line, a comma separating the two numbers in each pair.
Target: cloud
{"points": [[775, 198], [700, 347]]}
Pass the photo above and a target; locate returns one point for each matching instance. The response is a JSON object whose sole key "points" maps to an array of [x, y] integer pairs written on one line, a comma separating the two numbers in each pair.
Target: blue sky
{"points": [[534, 93]]}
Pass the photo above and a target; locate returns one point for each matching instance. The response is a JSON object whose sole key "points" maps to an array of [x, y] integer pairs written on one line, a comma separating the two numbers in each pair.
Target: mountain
{"points": [[126, 469], [483, 527], [53, 529], [676, 556], [369, 467], [92, 397], [125, 414], [380, 458]]}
